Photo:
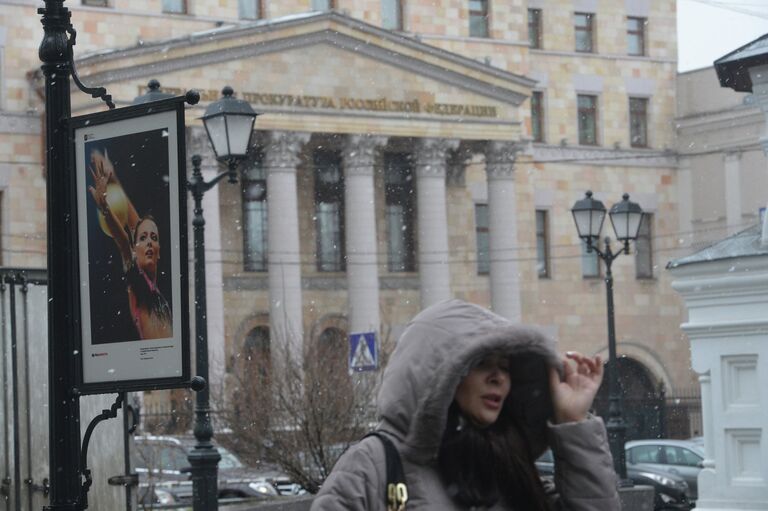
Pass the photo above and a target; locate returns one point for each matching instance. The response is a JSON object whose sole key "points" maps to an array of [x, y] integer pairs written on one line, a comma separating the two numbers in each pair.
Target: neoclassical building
{"points": [[406, 152]]}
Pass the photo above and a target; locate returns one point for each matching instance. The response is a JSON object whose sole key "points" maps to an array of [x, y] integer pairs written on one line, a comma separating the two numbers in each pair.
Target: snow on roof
{"points": [[747, 243]]}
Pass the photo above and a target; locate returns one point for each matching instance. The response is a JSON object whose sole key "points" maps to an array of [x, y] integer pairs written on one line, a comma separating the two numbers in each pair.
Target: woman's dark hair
{"points": [[482, 466]]}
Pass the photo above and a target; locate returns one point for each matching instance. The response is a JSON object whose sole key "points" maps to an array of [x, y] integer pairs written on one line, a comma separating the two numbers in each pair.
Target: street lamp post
{"points": [[626, 216], [229, 124]]}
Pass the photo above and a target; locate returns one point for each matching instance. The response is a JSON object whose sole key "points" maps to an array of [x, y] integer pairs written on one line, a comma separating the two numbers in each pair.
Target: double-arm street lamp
{"points": [[626, 216], [229, 124]]}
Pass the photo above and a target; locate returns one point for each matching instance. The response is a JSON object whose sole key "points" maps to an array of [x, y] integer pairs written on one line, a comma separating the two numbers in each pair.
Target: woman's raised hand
{"points": [[572, 396], [102, 170]]}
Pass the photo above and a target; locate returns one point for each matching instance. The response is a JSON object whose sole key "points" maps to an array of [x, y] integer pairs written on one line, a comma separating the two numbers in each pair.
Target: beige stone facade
{"points": [[331, 75]]}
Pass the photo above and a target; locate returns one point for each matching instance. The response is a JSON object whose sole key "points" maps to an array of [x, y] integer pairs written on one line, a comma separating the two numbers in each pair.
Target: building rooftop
{"points": [[747, 243]]}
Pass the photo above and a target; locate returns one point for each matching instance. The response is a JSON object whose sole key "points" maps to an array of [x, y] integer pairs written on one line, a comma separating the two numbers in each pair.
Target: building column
{"points": [[432, 218], [281, 158], [502, 229], [732, 164], [361, 247]]}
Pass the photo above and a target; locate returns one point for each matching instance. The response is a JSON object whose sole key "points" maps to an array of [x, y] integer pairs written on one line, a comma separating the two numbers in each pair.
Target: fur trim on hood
{"points": [[436, 351]]}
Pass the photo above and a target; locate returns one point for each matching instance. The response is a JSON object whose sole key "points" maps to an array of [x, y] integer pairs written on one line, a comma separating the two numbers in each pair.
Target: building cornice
{"points": [[604, 156], [20, 123]]}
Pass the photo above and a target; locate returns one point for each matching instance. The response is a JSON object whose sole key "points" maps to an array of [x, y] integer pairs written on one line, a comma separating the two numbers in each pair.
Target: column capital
{"points": [[736, 155], [500, 158], [432, 155], [359, 153], [282, 151]]}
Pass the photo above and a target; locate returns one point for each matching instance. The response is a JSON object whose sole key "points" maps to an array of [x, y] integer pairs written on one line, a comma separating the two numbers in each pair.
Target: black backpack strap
{"points": [[396, 490]]}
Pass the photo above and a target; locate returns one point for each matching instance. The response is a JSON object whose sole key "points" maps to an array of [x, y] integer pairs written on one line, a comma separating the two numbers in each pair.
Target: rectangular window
{"points": [[534, 28], [392, 14], [96, 3], [478, 18], [636, 36], [638, 122], [250, 9], [644, 249], [590, 262], [587, 106], [329, 210], [483, 239], [175, 6], [584, 23], [537, 117], [322, 5], [542, 244], [255, 216], [400, 212]]}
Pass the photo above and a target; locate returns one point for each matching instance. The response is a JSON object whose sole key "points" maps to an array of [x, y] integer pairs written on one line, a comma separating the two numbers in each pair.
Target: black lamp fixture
{"points": [[154, 93], [229, 124], [626, 217]]}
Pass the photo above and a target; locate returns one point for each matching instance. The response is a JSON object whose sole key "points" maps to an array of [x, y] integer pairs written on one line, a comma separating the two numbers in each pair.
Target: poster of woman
{"points": [[131, 241]]}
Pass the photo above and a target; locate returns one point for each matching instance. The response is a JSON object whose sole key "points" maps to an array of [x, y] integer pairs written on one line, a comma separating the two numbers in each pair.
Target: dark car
{"points": [[671, 491], [164, 473], [682, 458]]}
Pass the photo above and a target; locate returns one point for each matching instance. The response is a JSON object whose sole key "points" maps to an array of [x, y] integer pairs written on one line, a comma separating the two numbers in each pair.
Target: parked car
{"points": [[677, 457], [671, 491], [164, 473]]}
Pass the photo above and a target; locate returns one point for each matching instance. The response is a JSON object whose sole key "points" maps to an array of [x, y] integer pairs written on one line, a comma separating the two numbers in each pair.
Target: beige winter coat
{"points": [[436, 350]]}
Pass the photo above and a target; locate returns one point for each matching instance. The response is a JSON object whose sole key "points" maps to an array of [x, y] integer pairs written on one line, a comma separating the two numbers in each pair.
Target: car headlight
{"points": [[263, 488], [164, 497], [665, 481]]}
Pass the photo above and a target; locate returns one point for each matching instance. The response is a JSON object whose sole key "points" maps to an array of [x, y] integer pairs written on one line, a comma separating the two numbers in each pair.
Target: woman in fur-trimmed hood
{"points": [[470, 400]]}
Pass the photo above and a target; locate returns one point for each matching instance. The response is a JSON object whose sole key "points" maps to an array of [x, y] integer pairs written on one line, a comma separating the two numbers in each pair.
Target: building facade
{"points": [[407, 152]]}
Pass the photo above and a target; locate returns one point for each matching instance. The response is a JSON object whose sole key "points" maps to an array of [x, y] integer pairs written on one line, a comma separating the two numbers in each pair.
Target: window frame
{"points": [[542, 235], [588, 28], [639, 33], [582, 112], [325, 193], [398, 14], [95, 3], [400, 194], [598, 274], [644, 101], [183, 10], [535, 26], [483, 232], [249, 264], [647, 234], [537, 116], [259, 8], [484, 14]]}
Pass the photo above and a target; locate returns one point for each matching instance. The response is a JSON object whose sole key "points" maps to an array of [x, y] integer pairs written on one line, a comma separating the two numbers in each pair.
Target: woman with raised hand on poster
{"points": [[138, 241]]}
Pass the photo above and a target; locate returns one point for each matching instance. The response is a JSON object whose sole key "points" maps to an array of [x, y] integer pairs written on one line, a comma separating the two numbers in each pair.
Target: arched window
{"points": [[642, 402], [331, 362], [256, 353]]}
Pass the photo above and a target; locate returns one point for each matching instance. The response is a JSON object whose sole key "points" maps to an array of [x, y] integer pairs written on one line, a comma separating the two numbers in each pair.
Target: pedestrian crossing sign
{"points": [[363, 352]]}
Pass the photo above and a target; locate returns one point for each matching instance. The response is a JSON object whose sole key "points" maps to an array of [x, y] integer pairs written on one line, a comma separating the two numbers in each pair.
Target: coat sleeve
{"points": [[357, 481], [584, 474]]}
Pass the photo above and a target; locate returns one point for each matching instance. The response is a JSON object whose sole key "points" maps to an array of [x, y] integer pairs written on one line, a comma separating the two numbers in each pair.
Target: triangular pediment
{"points": [[319, 64]]}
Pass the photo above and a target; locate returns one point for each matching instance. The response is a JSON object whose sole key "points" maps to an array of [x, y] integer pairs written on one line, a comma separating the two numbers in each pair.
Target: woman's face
{"points": [[481, 393], [147, 247]]}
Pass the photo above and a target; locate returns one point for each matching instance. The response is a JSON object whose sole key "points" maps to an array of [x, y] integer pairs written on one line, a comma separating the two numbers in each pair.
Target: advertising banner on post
{"points": [[132, 244]]}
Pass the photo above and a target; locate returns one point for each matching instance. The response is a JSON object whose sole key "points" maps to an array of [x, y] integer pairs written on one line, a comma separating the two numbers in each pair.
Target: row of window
{"points": [[584, 32], [588, 119], [392, 19], [400, 204], [590, 262]]}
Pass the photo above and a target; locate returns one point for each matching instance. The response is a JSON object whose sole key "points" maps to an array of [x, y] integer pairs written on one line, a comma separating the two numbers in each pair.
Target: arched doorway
{"points": [[642, 401], [256, 354]]}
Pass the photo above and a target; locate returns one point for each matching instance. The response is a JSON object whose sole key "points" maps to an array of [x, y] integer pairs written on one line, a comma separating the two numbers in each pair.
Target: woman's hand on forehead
{"points": [[572, 396]]}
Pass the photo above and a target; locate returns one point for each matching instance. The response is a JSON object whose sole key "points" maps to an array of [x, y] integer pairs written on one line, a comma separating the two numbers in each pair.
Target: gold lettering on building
{"points": [[348, 103]]}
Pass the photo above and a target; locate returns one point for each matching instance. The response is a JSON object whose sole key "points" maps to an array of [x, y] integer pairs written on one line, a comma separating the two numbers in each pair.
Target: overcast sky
{"points": [[709, 29]]}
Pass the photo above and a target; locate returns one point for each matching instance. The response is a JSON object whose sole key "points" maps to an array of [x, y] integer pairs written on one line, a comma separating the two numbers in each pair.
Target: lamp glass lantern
{"points": [[626, 217], [229, 124], [589, 214]]}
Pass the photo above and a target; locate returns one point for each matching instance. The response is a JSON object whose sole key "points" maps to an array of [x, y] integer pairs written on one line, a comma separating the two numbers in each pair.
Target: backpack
{"points": [[396, 489]]}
